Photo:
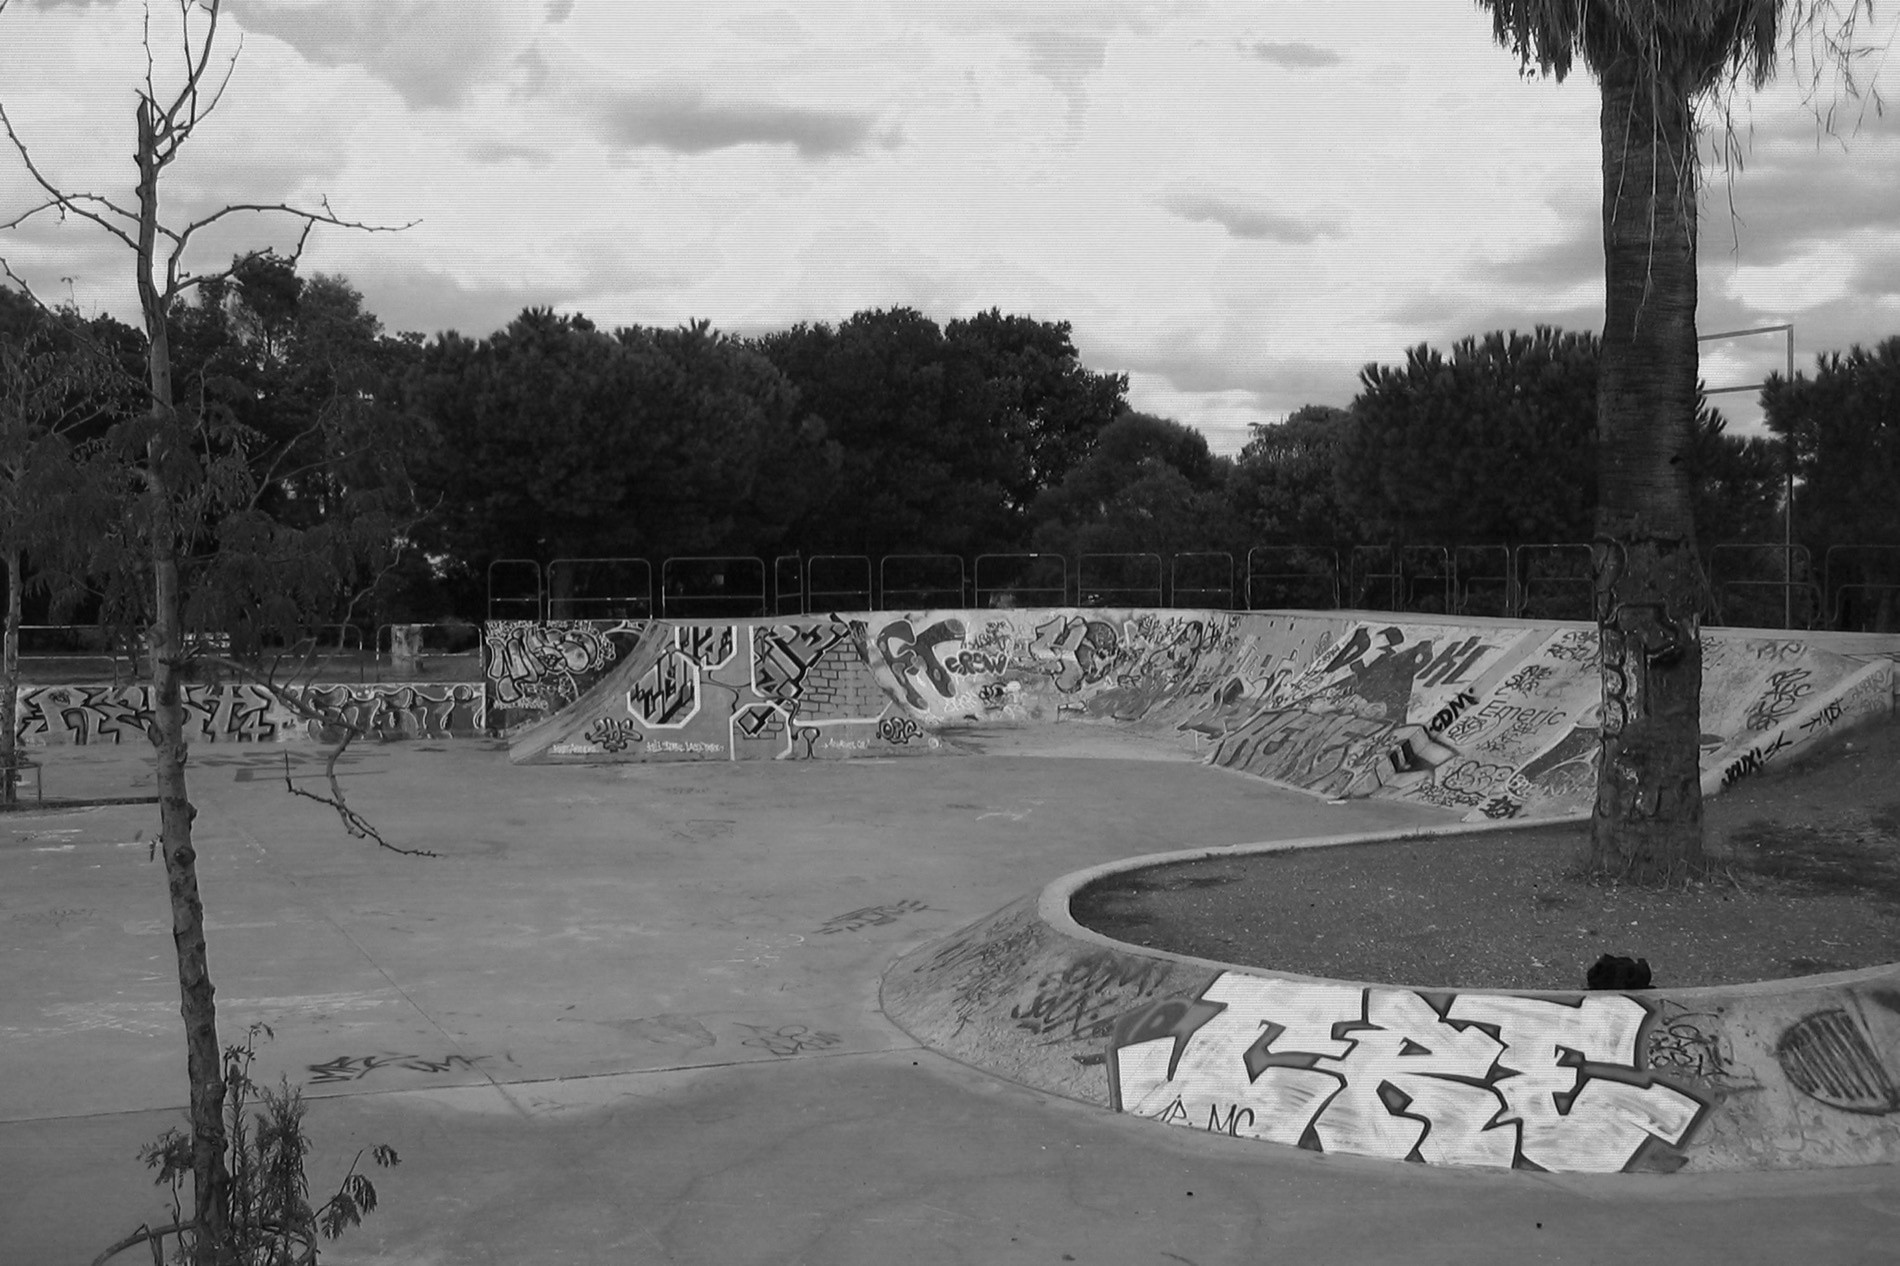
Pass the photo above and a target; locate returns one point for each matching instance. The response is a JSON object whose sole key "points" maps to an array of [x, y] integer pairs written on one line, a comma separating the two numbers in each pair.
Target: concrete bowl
{"points": [[1775, 1074]]}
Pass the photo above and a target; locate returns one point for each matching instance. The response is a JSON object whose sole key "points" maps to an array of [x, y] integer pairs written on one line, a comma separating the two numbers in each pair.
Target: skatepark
{"points": [[643, 1009]]}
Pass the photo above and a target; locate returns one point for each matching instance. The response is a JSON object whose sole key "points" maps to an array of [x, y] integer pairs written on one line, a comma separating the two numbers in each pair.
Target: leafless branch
{"points": [[177, 282], [79, 204], [354, 823], [309, 217], [153, 1235]]}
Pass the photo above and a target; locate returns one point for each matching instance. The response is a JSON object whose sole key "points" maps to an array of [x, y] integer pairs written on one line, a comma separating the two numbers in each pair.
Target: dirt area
{"points": [[1807, 880]]}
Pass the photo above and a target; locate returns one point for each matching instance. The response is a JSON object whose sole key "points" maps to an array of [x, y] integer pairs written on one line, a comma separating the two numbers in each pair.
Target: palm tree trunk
{"points": [[1647, 820]]}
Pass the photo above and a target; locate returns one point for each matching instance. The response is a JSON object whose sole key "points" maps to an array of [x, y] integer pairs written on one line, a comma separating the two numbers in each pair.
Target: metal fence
{"points": [[1751, 584]]}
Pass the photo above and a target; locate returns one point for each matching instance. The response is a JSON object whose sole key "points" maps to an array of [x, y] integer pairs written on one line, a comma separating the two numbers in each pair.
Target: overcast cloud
{"points": [[1239, 203]]}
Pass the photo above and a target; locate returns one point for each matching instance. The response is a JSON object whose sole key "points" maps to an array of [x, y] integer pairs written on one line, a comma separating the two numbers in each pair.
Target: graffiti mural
{"points": [[535, 668], [242, 713], [1446, 1079], [448, 710], [1493, 723], [84, 714]]}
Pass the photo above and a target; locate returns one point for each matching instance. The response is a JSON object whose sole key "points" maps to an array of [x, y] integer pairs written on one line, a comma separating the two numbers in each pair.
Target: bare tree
{"points": [[179, 487]]}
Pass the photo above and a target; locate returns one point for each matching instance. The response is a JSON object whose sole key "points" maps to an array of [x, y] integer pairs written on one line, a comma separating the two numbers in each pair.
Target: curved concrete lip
{"points": [[1774, 1074]]}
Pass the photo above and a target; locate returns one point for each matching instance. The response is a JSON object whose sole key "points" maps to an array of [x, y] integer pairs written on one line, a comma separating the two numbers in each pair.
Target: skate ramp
{"points": [[1492, 719], [1780, 1074]]}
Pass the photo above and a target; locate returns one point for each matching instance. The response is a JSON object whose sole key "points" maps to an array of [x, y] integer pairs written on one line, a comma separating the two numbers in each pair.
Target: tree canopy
{"points": [[1495, 444]]}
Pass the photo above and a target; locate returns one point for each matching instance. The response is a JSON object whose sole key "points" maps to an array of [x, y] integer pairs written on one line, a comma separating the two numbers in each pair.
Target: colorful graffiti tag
{"points": [[1451, 1079]]}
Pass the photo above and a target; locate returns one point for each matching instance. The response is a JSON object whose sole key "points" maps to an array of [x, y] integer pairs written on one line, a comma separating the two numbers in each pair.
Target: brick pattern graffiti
{"points": [[241, 713], [1454, 1079]]}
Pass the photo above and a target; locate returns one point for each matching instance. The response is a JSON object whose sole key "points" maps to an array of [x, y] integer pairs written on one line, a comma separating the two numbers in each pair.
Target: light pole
{"points": [[1787, 512]]}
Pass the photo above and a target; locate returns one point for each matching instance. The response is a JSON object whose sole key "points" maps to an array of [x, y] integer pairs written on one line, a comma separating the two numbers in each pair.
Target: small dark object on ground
{"points": [[1613, 971]]}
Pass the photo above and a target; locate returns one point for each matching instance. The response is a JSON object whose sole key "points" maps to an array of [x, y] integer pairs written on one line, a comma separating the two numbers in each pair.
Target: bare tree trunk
{"points": [[10, 683], [1647, 820], [210, 1178]]}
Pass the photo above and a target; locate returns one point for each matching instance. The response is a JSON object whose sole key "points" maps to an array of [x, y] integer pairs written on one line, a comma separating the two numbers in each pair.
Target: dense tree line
{"points": [[887, 433]]}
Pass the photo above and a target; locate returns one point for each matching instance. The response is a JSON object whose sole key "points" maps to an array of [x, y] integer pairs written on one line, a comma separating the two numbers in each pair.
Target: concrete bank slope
{"points": [[1495, 719], [1774, 1075]]}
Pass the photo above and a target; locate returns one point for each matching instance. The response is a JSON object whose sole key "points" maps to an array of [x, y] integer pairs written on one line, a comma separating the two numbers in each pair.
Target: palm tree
{"points": [[1659, 63]]}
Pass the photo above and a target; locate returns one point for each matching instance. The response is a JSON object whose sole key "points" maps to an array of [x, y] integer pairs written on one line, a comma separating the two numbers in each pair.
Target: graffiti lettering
{"points": [[242, 713], [530, 664], [1529, 680], [613, 734], [1352, 651], [1572, 647], [1076, 652], [356, 1067], [898, 730], [1778, 651], [1082, 998], [788, 1039], [392, 712], [708, 645], [1783, 694], [1451, 664], [1471, 1079], [870, 916], [907, 654], [968, 663], [1686, 1043], [1498, 807], [667, 694], [1450, 712], [1829, 713], [1752, 760], [988, 958], [1326, 753]]}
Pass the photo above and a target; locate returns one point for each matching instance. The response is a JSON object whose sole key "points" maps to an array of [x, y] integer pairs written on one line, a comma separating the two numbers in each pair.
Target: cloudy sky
{"points": [[1239, 203]]}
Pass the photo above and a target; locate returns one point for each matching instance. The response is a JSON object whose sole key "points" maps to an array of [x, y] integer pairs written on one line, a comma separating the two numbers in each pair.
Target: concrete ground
{"points": [[630, 1014]]}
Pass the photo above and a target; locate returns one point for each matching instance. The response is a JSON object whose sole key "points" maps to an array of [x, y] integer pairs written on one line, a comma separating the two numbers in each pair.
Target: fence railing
{"points": [[1021, 580], [922, 580], [1862, 587], [1118, 580], [712, 586], [1203, 579], [600, 589], [1296, 577], [838, 582], [1752, 584]]}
